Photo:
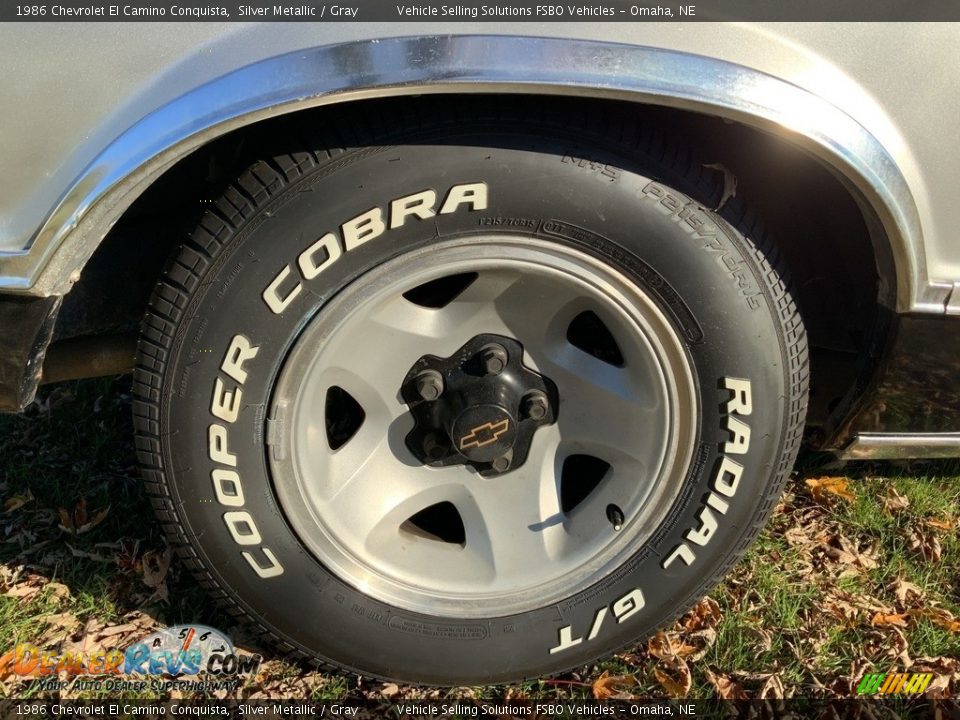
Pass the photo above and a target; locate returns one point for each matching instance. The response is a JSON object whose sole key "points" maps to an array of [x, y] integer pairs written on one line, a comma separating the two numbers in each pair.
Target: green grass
{"points": [[782, 607]]}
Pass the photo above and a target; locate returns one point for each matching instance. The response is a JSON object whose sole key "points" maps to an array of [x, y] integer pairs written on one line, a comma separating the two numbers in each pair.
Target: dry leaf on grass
{"points": [[671, 671], [764, 641], [895, 502], [704, 614], [17, 502], [57, 590], [155, 568], [23, 592], [699, 645], [59, 627], [25, 587], [676, 680], [798, 536], [613, 687], [887, 619], [925, 544], [98, 635], [939, 616], [79, 521], [666, 646], [899, 648], [726, 688], [772, 688], [844, 551], [825, 488], [390, 690], [945, 524], [842, 610], [906, 592]]}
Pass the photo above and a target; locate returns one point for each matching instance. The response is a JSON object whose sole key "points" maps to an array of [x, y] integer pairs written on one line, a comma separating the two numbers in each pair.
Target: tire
{"points": [[670, 356]]}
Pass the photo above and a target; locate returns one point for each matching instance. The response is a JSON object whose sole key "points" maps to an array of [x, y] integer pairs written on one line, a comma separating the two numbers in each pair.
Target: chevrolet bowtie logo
{"points": [[484, 435]]}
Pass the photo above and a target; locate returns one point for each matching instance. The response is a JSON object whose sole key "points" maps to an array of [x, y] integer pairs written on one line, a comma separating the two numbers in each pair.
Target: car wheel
{"points": [[476, 397]]}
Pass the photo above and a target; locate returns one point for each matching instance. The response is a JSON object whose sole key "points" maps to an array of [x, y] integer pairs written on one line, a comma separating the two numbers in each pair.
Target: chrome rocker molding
{"points": [[896, 446], [470, 64]]}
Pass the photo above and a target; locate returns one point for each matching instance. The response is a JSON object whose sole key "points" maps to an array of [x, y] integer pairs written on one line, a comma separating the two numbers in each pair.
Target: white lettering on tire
{"points": [[227, 484], [623, 608], [727, 476], [287, 284]]}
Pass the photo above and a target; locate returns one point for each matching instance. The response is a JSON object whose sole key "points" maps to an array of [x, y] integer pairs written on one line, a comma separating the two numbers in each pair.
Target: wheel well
{"points": [[840, 280]]}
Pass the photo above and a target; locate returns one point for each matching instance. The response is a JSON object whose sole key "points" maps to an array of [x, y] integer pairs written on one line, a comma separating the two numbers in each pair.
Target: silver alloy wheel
{"points": [[351, 506]]}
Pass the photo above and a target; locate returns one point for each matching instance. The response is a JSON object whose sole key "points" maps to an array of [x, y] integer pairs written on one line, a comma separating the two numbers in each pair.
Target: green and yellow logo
{"points": [[894, 683]]}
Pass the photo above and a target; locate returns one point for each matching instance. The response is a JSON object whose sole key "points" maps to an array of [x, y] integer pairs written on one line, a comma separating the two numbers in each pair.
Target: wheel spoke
{"points": [[530, 308], [604, 410], [588, 521], [373, 490], [514, 522]]}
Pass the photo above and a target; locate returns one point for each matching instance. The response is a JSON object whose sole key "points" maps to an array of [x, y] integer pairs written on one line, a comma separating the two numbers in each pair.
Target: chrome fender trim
{"points": [[470, 64]]}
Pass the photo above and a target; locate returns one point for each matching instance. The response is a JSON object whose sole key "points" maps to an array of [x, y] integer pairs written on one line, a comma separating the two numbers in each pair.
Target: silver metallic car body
{"points": [[90, 131]]}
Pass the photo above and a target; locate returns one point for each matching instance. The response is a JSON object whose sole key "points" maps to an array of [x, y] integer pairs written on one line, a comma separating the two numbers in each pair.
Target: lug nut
{"points": [[535, 405], [501, 463], [430, 384], [493, 358], [434, 446]]}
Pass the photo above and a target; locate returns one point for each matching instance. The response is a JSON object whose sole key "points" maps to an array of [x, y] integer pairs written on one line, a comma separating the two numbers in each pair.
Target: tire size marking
{"points": [[698, 223], [727, 476], [227, 486], [288, 283], [622, 609]]}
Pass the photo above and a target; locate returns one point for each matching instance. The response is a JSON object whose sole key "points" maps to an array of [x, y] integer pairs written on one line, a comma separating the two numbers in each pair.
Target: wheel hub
{"points": [[479, 407]]}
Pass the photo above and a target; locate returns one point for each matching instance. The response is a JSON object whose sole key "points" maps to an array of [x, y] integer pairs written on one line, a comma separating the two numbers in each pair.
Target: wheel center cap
{"points": [[483, 433], [479, 407]]}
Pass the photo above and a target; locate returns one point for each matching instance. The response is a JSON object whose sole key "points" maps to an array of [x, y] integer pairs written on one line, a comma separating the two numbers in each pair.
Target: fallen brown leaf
{"points": [[671, 671], [939, 616], [25, 587], [899, 648], [57, 590], [764, 641], [666, 646], [726, 688], [894, 501], [702, 641], [946, 524], [887, 619], [155, 568], [677, 682], [704, 614], [822, 489], [772, 688], [76, 552], [927, 545], [79, 521], [17, 502], [613, 687], [390, 690], [844, 551], [59, 626], [906, 592]]}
